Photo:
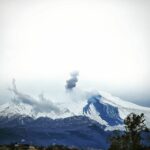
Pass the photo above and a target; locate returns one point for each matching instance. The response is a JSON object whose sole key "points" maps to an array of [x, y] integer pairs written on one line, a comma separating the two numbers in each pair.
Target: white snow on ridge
{"points": [[72, 104], [126, 107]]}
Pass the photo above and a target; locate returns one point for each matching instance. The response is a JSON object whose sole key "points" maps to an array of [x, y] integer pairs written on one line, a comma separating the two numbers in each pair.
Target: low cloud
{"points": [[41, 105]]}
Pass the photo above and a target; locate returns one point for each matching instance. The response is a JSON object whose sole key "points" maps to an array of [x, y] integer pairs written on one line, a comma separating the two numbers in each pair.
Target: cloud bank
{"points": [[41, 105]]}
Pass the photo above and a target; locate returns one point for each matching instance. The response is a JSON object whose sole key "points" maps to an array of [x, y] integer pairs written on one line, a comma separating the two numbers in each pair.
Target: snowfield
{"points": [[99, 106]]}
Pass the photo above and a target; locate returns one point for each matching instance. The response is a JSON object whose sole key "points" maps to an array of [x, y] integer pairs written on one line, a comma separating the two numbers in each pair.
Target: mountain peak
{"points": [[104, 110]]}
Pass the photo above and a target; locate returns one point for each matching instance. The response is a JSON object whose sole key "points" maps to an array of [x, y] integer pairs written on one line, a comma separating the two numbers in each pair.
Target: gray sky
{"points": [[106, 41]]}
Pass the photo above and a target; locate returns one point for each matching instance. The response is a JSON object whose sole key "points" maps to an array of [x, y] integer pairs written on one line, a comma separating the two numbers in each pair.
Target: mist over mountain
{"points": [[86, 115], [98, 105]]}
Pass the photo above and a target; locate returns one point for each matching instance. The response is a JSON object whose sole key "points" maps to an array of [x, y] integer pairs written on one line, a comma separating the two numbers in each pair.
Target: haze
{"points": [[106, 41]]}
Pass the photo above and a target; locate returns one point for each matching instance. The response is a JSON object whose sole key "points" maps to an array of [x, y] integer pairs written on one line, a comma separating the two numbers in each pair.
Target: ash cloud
{"points": [[41, 105], [71, 83]]}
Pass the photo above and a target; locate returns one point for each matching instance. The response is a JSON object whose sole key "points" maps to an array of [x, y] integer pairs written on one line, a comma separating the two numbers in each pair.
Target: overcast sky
{"points": [[107, 41]]}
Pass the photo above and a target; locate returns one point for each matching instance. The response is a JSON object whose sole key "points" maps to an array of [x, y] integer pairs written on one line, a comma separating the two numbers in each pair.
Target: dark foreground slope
{"points": [[78, 131]]}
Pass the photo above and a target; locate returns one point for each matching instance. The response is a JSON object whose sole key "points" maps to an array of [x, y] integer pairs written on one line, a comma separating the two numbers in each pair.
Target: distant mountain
{"points": [[105, 109], [82, 119]]}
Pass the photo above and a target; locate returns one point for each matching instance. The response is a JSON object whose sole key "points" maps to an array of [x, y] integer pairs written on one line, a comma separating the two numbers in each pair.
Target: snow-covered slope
{"points": [[112, 110], [100, 106], [11, 109]]}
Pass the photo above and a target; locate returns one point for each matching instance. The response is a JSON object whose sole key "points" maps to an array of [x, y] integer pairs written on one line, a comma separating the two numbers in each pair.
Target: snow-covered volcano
{"points": [[99, 106]]}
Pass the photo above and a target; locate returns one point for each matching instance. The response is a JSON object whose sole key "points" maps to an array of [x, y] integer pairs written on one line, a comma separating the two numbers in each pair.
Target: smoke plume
{"points": [[71, 83]]}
